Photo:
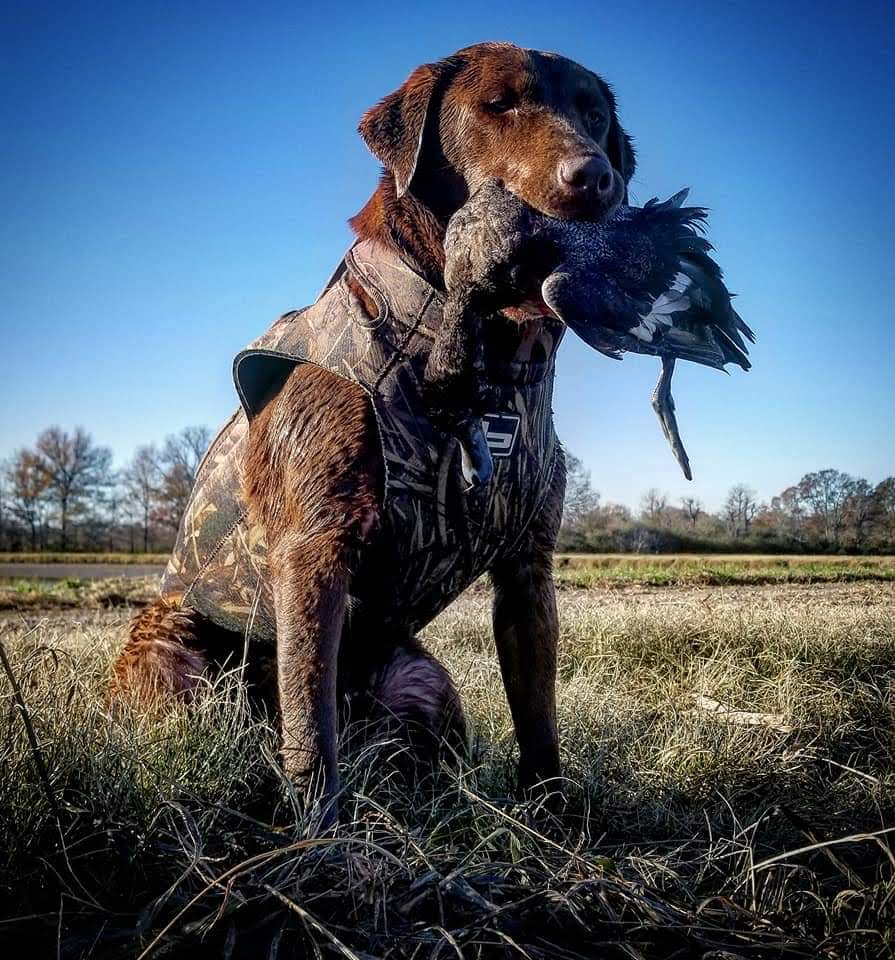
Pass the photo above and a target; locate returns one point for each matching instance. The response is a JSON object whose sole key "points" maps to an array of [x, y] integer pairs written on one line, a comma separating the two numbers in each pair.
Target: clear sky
{"points": [[175, 175]]}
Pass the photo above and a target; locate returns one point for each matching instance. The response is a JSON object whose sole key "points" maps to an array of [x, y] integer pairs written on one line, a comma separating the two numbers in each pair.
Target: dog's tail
{"points": [[413, 695], [161, 660]]}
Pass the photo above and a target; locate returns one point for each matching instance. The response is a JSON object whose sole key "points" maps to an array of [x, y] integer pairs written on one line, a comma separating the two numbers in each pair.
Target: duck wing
{"points": [[694, 319], [613, 275]]}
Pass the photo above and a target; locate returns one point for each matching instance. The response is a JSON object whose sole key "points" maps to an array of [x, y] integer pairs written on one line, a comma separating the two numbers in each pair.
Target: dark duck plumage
{"points": [[642, 281]]}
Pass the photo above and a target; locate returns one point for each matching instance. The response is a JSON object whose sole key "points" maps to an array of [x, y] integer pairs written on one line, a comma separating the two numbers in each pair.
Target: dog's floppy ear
{"points": [[620, 151], [619, 147], [394, 128]]}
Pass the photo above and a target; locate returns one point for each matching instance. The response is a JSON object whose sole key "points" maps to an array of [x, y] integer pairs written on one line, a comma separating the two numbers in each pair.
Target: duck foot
{"points": [[475, 457], [663, 404]]}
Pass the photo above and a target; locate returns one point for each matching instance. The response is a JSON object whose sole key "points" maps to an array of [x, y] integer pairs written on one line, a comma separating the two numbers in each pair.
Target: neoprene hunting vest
{"points": [[436, 537]]}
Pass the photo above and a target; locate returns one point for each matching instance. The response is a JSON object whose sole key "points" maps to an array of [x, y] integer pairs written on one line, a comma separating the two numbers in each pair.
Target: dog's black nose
{"points": [[588, 173]]}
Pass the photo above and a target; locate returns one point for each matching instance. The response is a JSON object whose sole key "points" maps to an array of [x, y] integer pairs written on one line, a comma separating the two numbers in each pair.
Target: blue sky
{"points": [[175, 175]]}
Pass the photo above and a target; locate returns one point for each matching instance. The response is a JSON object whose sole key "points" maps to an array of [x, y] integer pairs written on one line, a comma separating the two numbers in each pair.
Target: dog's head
{"points": [[544, 125]]}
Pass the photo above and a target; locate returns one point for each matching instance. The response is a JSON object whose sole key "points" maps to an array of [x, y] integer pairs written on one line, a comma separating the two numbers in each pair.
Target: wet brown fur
{"points": [[162, 656], [437, 137]]}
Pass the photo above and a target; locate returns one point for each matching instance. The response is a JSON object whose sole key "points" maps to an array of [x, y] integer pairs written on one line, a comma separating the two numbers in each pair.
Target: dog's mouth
{"points": [[530, 276], [567, 204], [534, 309]]}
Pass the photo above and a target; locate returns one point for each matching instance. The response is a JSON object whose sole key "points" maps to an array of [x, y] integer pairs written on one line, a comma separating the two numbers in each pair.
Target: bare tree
{"points": [[180, 458], [827, 493], [115, 504], [691, 509], [186, 449], [614, 515], [884, 495], [76, 470], [174, 494], [141, 479], [28, 489], [653, 506], [581, 499], [739, 510], [861, 510], [787, 515]]}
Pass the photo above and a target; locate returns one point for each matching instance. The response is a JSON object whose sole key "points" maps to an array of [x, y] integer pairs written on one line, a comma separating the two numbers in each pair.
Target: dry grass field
{"points": [[730, 754], [48, 556]]}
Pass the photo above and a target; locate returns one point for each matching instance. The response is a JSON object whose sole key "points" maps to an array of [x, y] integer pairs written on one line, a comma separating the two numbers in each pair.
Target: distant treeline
{"points": [[64, 493], [825, 512]]}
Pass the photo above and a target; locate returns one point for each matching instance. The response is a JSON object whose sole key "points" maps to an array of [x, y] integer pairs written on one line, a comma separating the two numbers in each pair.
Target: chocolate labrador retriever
{"points": [[356, 498]]}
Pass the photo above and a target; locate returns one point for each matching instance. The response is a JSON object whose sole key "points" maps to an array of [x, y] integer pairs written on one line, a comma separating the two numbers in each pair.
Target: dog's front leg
{"points": [[526, 630], [312, 482], [310, 585]]}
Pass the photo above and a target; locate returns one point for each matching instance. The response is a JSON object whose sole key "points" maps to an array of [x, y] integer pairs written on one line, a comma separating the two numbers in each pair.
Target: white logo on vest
{"points": [[501, 431]]}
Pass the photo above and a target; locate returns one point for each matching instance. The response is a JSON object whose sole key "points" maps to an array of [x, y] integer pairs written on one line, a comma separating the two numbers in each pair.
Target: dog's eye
{"points": [[596, 117], [503, 103]]}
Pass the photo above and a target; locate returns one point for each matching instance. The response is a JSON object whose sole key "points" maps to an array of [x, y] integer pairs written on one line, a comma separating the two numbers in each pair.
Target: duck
{"points": [[642, 281]]}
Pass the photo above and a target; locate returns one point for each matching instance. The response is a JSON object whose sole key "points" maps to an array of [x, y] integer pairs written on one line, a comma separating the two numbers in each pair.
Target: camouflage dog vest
{"points": [[436, 538]]}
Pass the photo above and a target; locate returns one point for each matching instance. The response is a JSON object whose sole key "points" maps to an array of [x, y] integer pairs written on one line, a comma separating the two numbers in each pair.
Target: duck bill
{"points": [[595, 336]]}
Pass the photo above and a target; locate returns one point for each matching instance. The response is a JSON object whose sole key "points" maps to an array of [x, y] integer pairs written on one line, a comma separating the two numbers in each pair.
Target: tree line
{"points": [[63, 493], [827, 511]]}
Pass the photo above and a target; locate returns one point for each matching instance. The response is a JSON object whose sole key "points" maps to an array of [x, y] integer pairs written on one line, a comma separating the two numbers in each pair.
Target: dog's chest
{"points": [[435, 538]]}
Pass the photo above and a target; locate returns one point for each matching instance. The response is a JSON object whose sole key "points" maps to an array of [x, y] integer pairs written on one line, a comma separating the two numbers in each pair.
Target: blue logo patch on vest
{"points": [[501, 431]]}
